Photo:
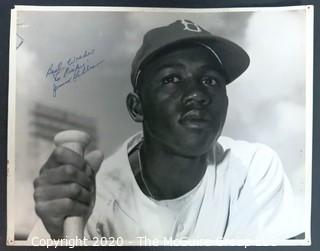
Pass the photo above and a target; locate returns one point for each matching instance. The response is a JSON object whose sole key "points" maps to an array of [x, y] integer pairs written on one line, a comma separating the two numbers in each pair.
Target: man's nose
{"points": [[196, 94]]}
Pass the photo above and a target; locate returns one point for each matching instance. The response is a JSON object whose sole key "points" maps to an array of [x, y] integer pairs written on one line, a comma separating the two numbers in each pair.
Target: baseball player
{"points": [[178, 177]]}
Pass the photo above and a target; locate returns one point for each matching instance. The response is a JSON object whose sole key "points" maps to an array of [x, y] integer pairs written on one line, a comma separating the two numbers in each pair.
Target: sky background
{"points": [[267, 103]]}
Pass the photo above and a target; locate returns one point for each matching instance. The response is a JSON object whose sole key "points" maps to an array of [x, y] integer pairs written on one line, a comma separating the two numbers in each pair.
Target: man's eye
{"points": [[172, 79], [210, 81]]}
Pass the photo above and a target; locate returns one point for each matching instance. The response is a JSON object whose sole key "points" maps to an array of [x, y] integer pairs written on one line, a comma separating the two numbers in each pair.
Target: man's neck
{"points": [[168, 175]]}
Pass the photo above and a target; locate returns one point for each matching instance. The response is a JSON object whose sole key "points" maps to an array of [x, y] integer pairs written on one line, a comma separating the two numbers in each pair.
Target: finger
{"points": [[72, 191], [94, 160], [62, 155], [64, 174], [61, 208]]}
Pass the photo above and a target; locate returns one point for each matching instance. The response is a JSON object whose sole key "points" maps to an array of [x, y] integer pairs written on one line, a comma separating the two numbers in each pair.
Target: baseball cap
{"points": [[231, 56]]}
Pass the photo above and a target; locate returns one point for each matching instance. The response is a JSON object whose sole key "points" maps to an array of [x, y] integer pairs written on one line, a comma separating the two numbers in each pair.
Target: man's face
{"points": [[184, 101]]}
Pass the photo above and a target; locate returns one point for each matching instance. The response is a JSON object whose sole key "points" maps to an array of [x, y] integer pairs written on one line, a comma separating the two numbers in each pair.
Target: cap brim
{"points": [[234, 59]]}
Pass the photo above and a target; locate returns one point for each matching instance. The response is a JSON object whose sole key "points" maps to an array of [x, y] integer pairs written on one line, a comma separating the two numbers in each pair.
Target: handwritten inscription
{"points": [[71, 69]]}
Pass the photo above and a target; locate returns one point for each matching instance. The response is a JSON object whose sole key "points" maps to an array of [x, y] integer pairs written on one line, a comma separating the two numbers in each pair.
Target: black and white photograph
{"points": [[160, 126]]}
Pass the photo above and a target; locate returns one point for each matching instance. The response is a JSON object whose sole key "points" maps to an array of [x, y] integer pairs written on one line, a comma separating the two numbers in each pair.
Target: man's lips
{"points": [[195, 115], [195, 119]]}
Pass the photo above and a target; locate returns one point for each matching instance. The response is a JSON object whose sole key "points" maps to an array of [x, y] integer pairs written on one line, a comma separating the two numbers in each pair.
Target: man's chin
{"points": [[190, 152], [191, 149], [188, 142]]}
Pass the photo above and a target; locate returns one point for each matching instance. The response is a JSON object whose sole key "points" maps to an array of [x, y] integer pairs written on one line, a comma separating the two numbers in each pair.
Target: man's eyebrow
{"points": [[169, 65], [211, 67]]}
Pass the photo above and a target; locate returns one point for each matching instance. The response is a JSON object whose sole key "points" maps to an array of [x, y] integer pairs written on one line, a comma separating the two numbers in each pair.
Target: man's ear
{"points": [[134, 107]]}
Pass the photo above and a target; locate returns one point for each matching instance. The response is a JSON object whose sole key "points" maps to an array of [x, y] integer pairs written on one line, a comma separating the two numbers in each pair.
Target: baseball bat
{"points": [[76, 141]]}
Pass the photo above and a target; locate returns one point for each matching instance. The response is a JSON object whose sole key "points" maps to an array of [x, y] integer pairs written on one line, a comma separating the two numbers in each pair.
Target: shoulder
{"points": [[115, 183], [254, 169], [115, 174], [251, 164], [111, 180], [262, 204], [246, 150], [248, 154], [111, 175]]}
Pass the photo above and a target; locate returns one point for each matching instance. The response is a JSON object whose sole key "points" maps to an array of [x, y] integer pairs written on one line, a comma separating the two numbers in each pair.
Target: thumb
{"points": [[94, 160]]}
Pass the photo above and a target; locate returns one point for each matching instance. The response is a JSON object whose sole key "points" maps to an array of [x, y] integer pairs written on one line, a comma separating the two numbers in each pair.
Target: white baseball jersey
{"points": [[245, 196]]}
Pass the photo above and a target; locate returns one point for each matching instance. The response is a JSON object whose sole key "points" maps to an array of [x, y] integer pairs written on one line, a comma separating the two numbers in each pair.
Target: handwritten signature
{"points": [[71, 69]]}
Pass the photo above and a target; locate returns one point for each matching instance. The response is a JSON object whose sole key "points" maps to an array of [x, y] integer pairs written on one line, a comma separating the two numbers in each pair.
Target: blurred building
{"points": [[47, 121]]}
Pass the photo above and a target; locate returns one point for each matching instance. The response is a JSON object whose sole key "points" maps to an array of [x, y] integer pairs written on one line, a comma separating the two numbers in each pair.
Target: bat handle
{"points": [[76, 141]]}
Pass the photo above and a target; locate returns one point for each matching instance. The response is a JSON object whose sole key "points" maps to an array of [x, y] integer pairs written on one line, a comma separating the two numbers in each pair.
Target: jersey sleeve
{"points": [[263, 207]]}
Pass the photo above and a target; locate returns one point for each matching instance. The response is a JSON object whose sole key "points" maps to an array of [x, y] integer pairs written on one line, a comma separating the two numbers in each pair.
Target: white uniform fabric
{"points": [[245, 196]]}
